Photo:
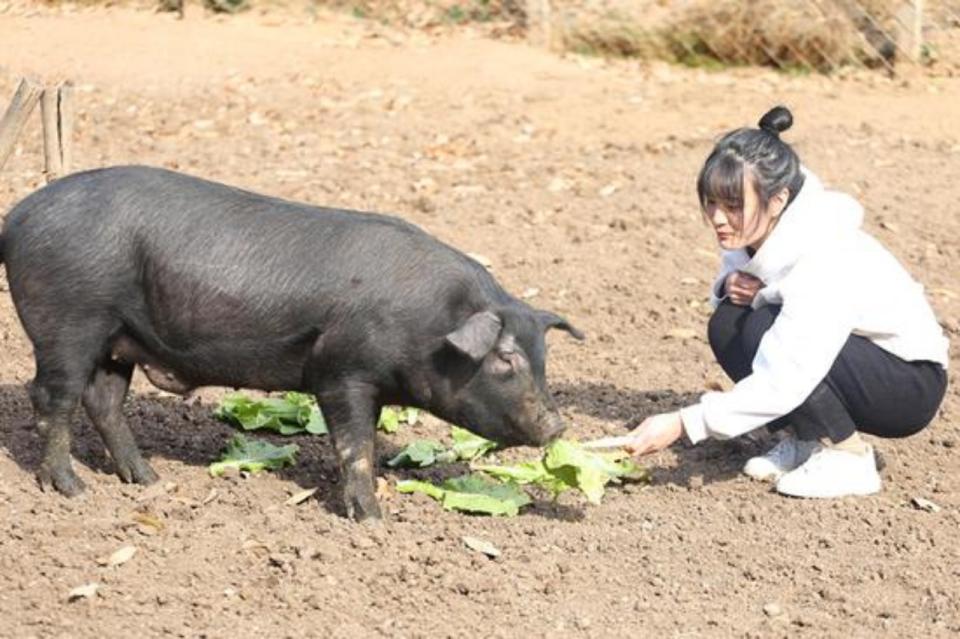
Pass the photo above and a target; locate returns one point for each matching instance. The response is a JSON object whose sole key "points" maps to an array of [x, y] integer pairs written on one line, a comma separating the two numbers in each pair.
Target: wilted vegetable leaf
{"points": [[392, 416], [585, 470], [468, 446], [421, 453], [416, 486], [567, 465], [425, 452], [288, 415], [253, 455], [530, 472], [472, 493]]}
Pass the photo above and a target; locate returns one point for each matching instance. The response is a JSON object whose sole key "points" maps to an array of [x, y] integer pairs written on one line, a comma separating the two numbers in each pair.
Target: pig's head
{"points": [[495, 362]]}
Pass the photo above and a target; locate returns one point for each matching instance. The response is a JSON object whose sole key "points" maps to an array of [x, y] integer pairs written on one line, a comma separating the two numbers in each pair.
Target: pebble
{"points": [[362, 543]]}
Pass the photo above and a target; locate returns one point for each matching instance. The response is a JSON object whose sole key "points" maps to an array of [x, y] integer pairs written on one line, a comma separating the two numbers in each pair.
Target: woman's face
{"points": [[738, 227]]}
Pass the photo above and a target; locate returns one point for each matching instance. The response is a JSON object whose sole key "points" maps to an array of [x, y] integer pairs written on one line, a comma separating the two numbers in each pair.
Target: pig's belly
{"points": [[273, 365]]}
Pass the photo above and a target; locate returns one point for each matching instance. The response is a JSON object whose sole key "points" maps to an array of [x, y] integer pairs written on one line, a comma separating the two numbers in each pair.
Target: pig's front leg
{"points": [[350, 410]]}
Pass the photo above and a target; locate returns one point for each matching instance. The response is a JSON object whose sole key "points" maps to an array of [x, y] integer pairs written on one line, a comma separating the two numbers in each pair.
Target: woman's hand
{"points": [[655, 433], [742, 288]]}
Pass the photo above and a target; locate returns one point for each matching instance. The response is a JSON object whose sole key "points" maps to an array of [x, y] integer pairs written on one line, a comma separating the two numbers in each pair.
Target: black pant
{"points": [[867, 389]]}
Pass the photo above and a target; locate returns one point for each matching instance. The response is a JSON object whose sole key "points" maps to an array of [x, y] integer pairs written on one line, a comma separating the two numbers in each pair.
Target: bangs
{"points": [[721, 180]]}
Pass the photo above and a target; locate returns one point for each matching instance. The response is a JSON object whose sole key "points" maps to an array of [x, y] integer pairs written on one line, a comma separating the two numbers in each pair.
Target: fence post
{"points": [[539, 22], [57, 112], [24, 100], [917, 31], [50, 112], [66, 126]]}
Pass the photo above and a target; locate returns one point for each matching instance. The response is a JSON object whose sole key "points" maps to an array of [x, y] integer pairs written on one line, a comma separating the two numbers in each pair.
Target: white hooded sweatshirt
{"points": [[832, 280]]}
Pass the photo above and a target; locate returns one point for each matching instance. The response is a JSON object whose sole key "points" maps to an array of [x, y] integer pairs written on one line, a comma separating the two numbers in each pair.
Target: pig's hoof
{"points": [[370, 516], [364, 510], [63, 479], [136, 471], [372, 521]]}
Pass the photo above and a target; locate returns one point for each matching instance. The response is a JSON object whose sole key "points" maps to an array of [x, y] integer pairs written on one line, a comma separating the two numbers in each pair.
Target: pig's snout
{"points": [[551, 429]]}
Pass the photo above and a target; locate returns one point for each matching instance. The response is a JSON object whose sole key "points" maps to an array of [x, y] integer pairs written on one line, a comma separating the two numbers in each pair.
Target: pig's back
{"points": [[173, 242], [135, 212]]}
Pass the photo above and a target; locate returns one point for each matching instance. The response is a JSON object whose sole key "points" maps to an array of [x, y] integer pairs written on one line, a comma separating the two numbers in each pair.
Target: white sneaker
{"points": [[833, 473], [788, 454]]}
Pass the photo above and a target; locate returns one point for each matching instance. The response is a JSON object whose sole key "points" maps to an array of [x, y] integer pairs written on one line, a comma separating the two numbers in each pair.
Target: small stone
{"points": [[362, 543], [772, 609], [609, 189], [87, 591], [482, 260], [925, 504], [277, 559], [481, 545]]}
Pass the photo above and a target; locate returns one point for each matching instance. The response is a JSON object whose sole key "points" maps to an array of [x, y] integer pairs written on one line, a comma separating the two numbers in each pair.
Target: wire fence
{"points": [[821, 35]]}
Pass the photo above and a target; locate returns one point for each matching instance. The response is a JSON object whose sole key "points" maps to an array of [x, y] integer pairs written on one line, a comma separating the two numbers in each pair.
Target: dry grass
{"points": [[814, 34], [808, 34], [428, 13]]}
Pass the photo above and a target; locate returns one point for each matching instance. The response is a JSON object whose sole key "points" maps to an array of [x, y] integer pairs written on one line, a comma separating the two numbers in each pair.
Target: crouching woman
{"points": [[824, 332]]}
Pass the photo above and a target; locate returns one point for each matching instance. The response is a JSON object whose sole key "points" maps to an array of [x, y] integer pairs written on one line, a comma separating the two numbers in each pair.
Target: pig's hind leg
{"points": [[55, 393], [67, 348], [103, 401]]}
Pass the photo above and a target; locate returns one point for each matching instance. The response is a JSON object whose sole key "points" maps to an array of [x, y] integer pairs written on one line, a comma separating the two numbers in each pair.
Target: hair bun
{"points": [[776, 120]]}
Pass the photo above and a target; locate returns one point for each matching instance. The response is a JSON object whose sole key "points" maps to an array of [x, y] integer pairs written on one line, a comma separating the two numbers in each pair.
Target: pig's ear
{"points": [[476, 337], [552, 320]]}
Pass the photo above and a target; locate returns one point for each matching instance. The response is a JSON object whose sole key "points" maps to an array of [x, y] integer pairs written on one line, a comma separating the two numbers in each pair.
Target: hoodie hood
{"points": [[816, 218]]}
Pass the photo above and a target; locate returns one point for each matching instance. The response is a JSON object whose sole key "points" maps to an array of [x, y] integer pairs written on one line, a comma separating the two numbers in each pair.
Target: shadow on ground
{"points": [[186, 431], [710, 461]]}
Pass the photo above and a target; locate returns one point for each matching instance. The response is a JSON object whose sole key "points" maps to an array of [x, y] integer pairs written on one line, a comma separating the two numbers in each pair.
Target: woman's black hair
{"points": [[771, 163]]}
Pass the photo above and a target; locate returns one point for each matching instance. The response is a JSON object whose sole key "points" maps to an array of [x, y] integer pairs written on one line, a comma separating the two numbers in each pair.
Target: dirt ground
{"points": [[574, 177]]}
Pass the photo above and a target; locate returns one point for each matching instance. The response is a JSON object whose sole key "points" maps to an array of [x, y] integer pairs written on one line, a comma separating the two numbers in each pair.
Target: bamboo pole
{"points": [[24, 100]]}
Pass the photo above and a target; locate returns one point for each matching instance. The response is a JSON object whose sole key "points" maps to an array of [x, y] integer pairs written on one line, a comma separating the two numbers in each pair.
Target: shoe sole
{"points": [[768, 478], [858, 492]]}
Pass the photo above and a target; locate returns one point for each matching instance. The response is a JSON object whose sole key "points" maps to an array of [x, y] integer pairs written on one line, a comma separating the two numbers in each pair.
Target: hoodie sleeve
{"points": [[730, 261], [794, 356]]}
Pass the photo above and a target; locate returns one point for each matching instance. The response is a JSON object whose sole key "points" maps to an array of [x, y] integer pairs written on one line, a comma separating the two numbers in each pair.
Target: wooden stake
{"points": [[539, 22], [24, 100], [65, 106], [546, 16], [917, 31], [51, 133]]}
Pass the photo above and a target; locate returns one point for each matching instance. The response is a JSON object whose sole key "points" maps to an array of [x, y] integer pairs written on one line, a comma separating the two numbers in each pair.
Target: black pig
{"points": [[202, 284]]}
